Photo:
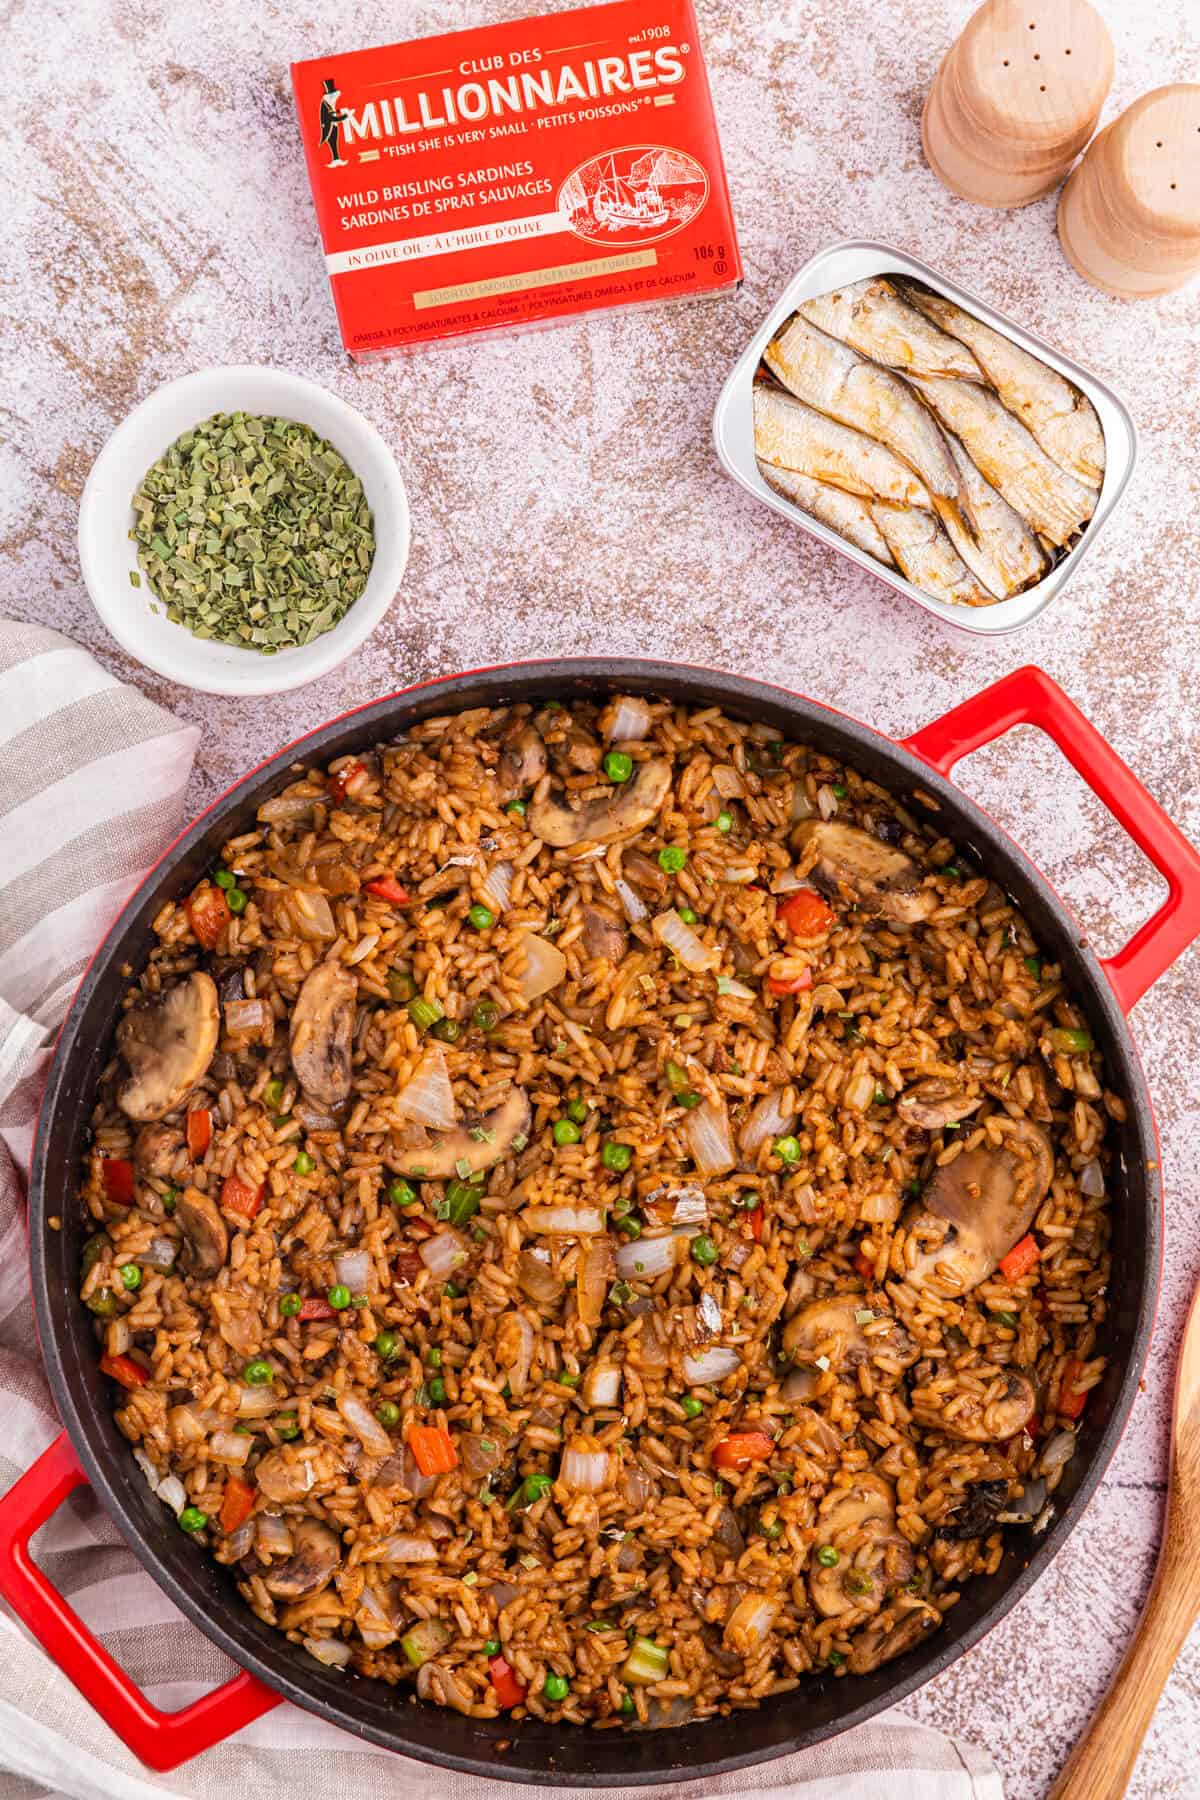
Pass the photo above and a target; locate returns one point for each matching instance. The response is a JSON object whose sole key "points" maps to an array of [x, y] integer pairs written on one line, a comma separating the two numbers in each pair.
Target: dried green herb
{"points": [[254, 532]]}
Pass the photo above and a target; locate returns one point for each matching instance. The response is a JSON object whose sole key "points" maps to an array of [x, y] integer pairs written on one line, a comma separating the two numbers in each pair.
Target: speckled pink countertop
{"points": [[566, 499]]}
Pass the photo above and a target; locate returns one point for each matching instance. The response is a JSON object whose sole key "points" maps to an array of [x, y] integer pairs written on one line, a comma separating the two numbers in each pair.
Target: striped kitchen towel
{"points": [[92, 781]]}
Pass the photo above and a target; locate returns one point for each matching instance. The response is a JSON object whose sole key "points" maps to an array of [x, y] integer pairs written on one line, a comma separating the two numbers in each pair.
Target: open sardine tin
{"points": [[859, 260]]}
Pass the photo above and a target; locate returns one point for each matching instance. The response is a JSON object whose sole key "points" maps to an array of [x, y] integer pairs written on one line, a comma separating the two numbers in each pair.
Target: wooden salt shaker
{"points": [[1016, 99], [1129, 217]]}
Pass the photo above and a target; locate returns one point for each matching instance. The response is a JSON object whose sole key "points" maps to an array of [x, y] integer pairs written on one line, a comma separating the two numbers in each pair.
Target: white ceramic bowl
{"points": [[108, 554]]}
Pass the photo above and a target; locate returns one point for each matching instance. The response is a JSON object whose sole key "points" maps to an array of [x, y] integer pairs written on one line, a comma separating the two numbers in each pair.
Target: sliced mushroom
{"points": [[819, 1433], [628, 809], [935, 1102], [156, 1147], [604, 935], [168, 1043], [986, 1199], [480, 1141], [322, 1033], [879, 1644], [872, 1556], [286, 1479], [206, 1240], [311, 1566], [831, 1326], [852, 865], [522, 760], [990, 1418]]}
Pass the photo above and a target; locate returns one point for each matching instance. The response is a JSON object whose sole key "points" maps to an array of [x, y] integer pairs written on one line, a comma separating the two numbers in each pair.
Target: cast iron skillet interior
{"points": [[553, 1754]]}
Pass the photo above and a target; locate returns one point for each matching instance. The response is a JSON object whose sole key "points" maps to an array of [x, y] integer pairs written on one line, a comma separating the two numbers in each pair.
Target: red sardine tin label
{"points": [[517, 173]]}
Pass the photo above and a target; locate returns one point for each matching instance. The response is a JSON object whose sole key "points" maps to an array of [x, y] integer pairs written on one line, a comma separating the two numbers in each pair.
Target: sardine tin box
{"points": [[516, 174]]}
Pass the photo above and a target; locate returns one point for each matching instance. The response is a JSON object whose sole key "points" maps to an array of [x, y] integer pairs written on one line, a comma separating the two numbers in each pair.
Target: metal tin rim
{"points": [[598, 1759], [733, 439]]}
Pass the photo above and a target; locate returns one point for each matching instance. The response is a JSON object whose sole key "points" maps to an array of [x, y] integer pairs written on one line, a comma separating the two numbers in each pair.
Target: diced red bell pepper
{"points": [[864, 1266], [755, 1220], [117, 1175], [389, 889], [805, 914], [433, 1449], [337, 784], [795, 984], [1071, 1403], [509, 1691], [199, 1132], [741, 1448], [237, 1196], [315, 1308], [130, 1374], [237, 1504], [208, 914], [1021, 1258]]}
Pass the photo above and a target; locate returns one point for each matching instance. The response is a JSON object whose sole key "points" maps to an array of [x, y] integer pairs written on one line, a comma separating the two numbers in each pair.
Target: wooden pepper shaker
{"points": [[1016, 98], [1129, 217]]}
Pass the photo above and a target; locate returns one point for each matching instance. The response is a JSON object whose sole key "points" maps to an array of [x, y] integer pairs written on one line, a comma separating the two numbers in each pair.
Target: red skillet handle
{"points": [[162, 1740], [1029, 697]]}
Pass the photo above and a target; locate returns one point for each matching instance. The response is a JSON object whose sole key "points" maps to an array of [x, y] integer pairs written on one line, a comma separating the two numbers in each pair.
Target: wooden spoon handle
{"points": [[1102, 1762]]}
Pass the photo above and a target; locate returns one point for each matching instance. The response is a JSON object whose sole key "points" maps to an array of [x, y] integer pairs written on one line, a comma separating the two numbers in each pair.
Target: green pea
{"points": [[485, 1016], [771, 1528], [480, 917], [1033, 964], [704, 1251], [168, 1201], [304, 1164], [434, 1358], [724, 821], [401, 1194], [236, 900], [388, 1414], [437, 1390], [671, 858], [225, 878], [556, 1687], [618, 766], [687, 915], [688, 1099], [787, 1149], [338, 1297], [285, 1426], [839, 790], [616, 1157], [627, 1705], [289, 1306], [692, 1407], [517, 807], [258, 1373], [103, 1303], [452, 1291], [192, 1519], [835, 1659], [131, 1277], [385, 1344], [447, 1031], [400, 985], [272, 1094], [828, 1557], [629, 1225], [492, 1647], [566, 1131], [578, 1111], [424, 1013], [566, 1379]]}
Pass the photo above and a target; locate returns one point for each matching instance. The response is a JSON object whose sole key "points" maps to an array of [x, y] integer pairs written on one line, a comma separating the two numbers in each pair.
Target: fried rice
{"points": [[599, 1213]]}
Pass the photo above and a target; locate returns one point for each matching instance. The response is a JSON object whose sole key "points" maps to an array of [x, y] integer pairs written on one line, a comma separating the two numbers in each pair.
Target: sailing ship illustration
{"points": [[617, 204]]}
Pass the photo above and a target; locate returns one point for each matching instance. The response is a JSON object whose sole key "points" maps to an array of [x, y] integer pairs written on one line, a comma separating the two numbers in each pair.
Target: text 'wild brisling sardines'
{"points": [[516, 173]]}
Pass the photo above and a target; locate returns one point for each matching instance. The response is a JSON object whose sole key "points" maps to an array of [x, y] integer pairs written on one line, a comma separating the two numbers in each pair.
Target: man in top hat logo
{"points": [[331, 123]]}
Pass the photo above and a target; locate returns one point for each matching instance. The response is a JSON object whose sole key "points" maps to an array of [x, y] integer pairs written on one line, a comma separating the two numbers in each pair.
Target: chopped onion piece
{"points": [[670, 930], [246, 1015], [629, 720], [786, 882], [728, 781], [749, 1623], [826, 801], [800, 803], [859, 1091], [428, 1098], [330, 1651], [315, 1118], [1091, 1180], [417, 1484], [502, 1594], [691, 1206], [311, 914], [545, 966], [256, 1402], [514, 1350], [727, 985], [239, 1543], [707, 1132], [426, 1638], [353, 1270], [365, 1426], [286, 809], [403, 1547], [592, 1279], [274, 1534], [633, 908], [442, 1253], [707, 1367], [769, 1119], [602, 1385], [646, 1663], [708, 1314], [1058, 1451], [147, 1467], [498, 886], [160, 1255], [172, 1493], [537, 1280], [646, 1258], [1026, 1506], [230, 1447], [563, 1221], [479, 1453], [585, 1468], [374, 1621]]}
